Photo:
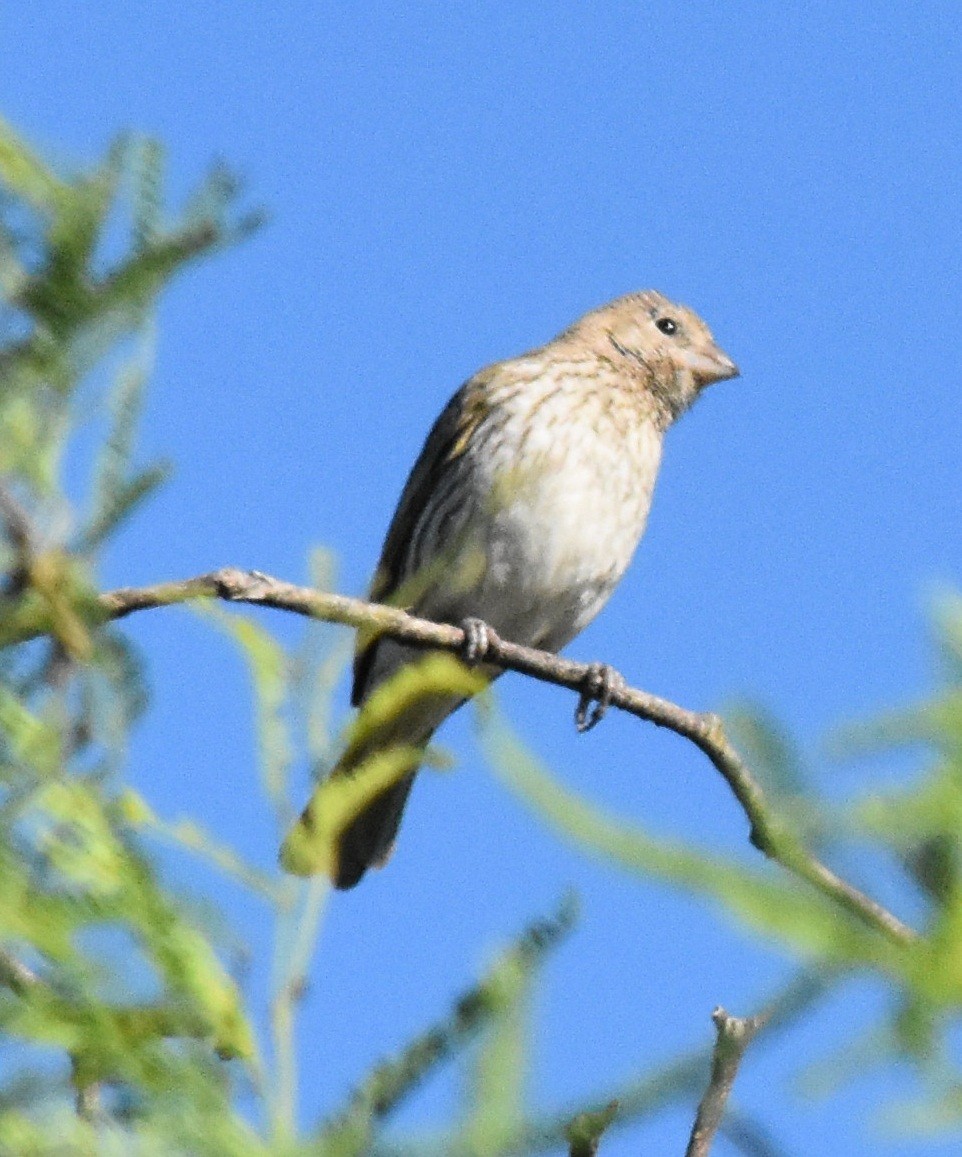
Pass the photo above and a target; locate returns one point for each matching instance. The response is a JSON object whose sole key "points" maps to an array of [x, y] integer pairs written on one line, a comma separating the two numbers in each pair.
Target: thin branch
{"points": [[16, 520], [87, 1098], [15, 975], [768, 833], [294, 946], [20, 532], [664, 1086], [734, 1035]]}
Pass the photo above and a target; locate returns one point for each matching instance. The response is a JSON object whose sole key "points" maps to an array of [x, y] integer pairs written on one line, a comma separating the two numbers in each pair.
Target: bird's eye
{"points": [[667, 325]]}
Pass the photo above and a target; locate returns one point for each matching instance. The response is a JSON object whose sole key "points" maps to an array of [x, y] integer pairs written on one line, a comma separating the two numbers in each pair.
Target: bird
{"points": [[521, 513]]}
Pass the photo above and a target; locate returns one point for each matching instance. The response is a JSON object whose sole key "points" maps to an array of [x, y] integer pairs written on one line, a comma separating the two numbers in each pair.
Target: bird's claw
{"points": [[600, 684], [477, 639]]}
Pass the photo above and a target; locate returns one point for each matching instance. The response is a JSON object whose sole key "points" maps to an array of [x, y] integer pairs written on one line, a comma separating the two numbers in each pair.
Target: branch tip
{"points": [[733, 1035]]}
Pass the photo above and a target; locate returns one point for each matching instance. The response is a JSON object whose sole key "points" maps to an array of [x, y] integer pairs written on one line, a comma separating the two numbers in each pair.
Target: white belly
{"points": [[561, 531]]}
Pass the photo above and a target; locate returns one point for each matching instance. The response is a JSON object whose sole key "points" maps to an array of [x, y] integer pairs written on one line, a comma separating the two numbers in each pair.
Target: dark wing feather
{"points": [[442, 448]]}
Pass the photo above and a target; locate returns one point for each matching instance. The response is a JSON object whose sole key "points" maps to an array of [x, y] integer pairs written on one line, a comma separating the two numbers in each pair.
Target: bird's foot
{"points": [[477, 639], [600, 684]]}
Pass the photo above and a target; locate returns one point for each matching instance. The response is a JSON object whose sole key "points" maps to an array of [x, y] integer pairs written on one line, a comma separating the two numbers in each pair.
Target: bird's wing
{"points": [[434, 474]]}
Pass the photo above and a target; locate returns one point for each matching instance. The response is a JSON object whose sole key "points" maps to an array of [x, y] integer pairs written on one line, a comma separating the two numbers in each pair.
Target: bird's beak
{"points": [[716, 366]]}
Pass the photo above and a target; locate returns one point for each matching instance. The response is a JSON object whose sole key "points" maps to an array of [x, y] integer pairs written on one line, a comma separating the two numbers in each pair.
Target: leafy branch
{"points": [[768, 832]]}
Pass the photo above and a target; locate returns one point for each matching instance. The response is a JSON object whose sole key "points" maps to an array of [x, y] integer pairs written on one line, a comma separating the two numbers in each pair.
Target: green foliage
{"points": [[918, 826], [129, 1033], [141, 1050]]}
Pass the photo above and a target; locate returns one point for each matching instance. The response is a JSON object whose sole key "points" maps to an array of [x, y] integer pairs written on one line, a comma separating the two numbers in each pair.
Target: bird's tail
{"points": [[348, 827], [367, 842], [344, 835]]}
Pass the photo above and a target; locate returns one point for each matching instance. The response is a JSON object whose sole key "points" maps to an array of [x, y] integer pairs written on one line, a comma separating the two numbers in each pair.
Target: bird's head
{"points": [[666, 347]]}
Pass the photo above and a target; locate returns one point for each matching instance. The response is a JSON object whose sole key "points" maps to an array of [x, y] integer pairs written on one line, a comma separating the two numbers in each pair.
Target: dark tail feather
{"points": [[369, 839]]}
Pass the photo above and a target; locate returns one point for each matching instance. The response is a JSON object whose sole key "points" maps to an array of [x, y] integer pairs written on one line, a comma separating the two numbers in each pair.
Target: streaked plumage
{"points": [[527, 503]]}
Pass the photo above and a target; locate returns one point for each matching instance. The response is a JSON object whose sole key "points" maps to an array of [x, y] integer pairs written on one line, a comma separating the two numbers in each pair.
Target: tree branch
{"points": [[15, 975], [668, 1084], [768, 833], [734, 1035]]}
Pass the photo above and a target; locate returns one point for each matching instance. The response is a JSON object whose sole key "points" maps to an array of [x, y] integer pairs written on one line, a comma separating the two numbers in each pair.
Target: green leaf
{"points": [[437, 675], [495, 1109], [27, 738], [147, 170], [310, 847], [189, 834], [78, 838], [376, 758], [22, 171], [76, 229], [269, 669], [186, 961], [123, 500]]}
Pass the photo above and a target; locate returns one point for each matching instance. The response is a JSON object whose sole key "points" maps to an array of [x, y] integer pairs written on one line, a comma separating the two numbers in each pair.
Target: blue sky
{"points": [[449, 185]]}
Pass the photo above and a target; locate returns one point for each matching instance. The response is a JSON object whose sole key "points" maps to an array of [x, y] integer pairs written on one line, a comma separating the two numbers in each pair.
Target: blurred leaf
{"points": [[768, 750], [72, 875], [212, 201], [777, 764], [934, 864], [947, 615], [853, 1060], [118, 491], [123, 500], [147, 170], [27, 738], [393, 1081], [788, 912], [190, 835], [26, 175], [931, 1116], [310, 847], [113, 691], [13, 271], [311, 844], [186, 961], [438, 674], [31, 441], [585, 1131], [321, 661], [61, 291], [78, 838], [922, 825], [496, 1106], [937, 723], [270, 673]]}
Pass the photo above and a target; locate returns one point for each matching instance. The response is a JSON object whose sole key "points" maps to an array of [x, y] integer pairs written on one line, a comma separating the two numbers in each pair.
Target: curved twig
{"points": [[705, 730]]}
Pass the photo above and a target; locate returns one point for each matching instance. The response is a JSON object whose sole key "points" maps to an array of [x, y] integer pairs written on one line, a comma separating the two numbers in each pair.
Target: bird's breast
{"points": [[567, 501]]}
